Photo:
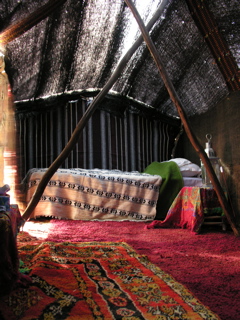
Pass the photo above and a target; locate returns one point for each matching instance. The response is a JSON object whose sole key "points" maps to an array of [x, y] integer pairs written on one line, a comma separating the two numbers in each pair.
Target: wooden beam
{"points": [[83, 121], [19, 28], [176, 100], [207, 25]]}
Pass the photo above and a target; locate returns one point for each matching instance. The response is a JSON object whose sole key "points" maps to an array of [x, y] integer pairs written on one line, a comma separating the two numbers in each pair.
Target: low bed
{"points": [[82, 194], [97, 194]]}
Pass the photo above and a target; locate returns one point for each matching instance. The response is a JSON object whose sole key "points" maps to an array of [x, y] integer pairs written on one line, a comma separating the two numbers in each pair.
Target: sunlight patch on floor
{"points": [[37, 229], [220, 256]]}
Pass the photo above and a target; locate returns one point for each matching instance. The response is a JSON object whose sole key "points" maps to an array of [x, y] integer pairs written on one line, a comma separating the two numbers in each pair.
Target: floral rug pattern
{"points": [[96, 280]]}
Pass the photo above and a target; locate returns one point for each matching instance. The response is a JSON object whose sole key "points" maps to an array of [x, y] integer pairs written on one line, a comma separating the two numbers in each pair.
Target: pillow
{"points": [[190, 170], [180, 161]]}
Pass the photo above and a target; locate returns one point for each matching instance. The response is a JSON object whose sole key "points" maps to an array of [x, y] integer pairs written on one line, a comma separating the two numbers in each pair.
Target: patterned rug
{"points": [[91, 280]]}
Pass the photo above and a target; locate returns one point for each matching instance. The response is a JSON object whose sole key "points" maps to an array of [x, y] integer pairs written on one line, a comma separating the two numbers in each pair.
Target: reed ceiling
{"points": [[79, 45]]}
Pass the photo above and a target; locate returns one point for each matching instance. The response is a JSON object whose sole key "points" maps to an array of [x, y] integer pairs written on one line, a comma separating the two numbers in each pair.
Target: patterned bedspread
{"points": [[94, 194], [189, 209]]}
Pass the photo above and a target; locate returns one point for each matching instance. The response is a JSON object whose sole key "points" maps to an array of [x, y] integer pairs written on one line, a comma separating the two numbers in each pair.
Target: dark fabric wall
{"points": [[127, 142]]}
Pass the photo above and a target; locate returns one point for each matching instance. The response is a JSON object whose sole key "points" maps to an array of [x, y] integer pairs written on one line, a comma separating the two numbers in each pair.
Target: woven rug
{"points": [[91, 280]]}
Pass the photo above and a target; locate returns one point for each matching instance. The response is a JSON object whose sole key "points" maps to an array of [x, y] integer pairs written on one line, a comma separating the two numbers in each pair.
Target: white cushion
{"points": [[190, 170], [187, 168], [180, 161]]}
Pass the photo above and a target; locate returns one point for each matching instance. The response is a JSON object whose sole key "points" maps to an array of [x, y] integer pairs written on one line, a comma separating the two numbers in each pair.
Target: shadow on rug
{"points": [[91, 280]]}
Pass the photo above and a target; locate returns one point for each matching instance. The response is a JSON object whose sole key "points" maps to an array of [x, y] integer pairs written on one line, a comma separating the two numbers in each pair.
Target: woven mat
{"points": [[91, 280]]}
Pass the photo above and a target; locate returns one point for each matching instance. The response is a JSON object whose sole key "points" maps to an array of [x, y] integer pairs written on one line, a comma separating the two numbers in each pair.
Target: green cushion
{"points": [[172, 183]]}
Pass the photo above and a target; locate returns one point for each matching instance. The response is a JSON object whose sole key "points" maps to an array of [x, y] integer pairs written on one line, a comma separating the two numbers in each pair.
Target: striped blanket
{"points": [[94, 194]]}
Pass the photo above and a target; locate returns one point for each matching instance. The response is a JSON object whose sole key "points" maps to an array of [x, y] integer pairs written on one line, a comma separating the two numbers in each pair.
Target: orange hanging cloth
{"points": [[7, 132]]}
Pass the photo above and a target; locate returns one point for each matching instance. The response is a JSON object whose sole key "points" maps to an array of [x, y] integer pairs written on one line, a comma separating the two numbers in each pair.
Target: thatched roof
{"points": [[78, 46]]}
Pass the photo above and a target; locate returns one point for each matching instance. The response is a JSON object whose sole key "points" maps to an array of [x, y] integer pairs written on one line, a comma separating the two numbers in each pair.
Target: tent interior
{"points": [[60, 60], [59, 57]]}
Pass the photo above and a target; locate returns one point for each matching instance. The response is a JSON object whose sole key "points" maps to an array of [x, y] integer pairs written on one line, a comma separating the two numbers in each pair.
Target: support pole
{"points": [[83, 121], [176, 100], [19, 28]]}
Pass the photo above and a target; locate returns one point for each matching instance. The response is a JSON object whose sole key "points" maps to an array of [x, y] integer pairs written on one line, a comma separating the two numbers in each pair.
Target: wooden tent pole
{"points": [[30, 21], [83, 121], [176, 100]]}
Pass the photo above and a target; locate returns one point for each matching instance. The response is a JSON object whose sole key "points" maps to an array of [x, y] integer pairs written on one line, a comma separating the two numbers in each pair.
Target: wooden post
{"points": [[176, 100], [30, 21], [83, 121]]}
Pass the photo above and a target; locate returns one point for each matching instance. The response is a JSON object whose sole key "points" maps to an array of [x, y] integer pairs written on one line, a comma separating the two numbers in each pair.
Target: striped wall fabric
{"points": [[129, 142]]}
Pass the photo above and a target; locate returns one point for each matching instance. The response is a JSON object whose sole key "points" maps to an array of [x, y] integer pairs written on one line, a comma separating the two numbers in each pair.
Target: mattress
{"points": [[192, 182]]}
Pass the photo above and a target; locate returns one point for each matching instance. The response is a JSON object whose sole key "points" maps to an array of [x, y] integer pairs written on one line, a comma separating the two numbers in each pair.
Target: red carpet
{"points": [[208, 264], [96, 280]]}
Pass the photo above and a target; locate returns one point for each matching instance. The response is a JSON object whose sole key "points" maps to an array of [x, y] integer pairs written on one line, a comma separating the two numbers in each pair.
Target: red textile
{"points": [[97, 280], [188, 209]]}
